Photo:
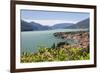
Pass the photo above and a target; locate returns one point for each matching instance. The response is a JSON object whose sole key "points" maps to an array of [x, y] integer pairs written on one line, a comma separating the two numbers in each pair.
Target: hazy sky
{"points": [[52, 17]]}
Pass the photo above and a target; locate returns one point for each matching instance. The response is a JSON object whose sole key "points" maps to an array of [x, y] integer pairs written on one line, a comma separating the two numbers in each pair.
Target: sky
{"points": [[52, 17]]}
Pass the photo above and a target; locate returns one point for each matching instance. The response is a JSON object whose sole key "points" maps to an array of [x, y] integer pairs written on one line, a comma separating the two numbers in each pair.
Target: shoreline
{"points": [[81, 38]]}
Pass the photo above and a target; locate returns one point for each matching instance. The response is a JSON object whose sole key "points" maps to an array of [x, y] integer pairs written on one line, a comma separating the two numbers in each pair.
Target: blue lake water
{"points": [[32, 40]]}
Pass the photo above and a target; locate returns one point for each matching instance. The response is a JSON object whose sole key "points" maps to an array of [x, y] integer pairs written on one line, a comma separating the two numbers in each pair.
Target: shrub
{"points": [[59, 54]]}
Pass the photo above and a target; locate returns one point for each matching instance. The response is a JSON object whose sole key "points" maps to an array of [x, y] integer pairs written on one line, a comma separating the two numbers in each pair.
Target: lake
{"points": [[32, 40]]}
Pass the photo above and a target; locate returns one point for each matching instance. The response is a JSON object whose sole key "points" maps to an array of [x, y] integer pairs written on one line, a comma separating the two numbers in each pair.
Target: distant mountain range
{"points": [[82, 24], [33, 26], [61, 25]]}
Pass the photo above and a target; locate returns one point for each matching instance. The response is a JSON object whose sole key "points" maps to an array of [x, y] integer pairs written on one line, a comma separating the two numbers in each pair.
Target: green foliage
{"points": [[58, 54]]}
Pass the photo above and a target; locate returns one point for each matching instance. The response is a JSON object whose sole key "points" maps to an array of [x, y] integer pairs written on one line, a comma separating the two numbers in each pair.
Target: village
{"points": [[81, 37]]}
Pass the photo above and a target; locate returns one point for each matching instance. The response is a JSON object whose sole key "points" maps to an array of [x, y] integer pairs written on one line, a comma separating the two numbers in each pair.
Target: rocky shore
{"points": [[81, 37]]}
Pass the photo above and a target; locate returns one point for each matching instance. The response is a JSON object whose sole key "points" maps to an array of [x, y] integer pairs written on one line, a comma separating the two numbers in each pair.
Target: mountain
{"points": [[25, 26], [82, 24], [32, 26], [61, 25], [39, 26]]}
